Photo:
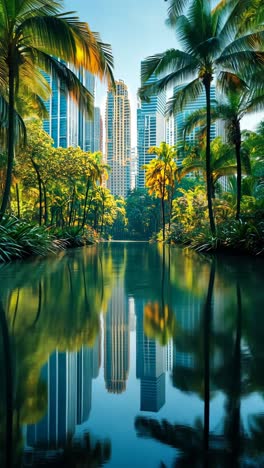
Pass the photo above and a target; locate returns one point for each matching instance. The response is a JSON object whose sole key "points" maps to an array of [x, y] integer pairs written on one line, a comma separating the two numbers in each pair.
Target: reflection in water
{"points": [[197, 319], [116, 341]]}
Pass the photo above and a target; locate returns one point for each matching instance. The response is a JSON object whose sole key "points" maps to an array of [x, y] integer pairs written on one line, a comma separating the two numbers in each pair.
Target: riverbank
{"points": [[20, 239]]}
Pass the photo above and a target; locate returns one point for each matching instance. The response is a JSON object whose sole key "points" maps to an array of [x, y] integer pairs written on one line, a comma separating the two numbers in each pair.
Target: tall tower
{"points": [[67, 124], [118, 139], [150, 128], [180, 119]]}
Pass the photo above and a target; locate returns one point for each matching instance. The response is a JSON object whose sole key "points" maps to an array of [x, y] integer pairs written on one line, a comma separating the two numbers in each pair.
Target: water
{"points": [[129, 354]]}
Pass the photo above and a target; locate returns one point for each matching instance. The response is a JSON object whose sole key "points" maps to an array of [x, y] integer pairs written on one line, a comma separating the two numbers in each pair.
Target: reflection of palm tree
{"points": [[8, 379], [159, 320], [192, 442], [75, 454]]}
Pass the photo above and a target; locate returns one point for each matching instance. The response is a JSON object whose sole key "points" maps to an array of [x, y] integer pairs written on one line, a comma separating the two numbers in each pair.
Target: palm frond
{"points": [[68, 81], [187, 94], [166, 62], [176, 8]]}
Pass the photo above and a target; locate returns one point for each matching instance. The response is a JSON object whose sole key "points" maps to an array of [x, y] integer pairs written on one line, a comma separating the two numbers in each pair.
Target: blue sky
{"points": [[135, 29]]}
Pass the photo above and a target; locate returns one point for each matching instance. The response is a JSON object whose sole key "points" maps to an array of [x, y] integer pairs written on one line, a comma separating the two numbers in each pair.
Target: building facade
{"points": [[67, 124], [180, 118], [118, 139], [150, 129]]}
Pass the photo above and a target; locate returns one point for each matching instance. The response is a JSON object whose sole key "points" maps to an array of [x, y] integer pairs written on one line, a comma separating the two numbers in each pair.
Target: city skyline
{"points": [[130, 49]]}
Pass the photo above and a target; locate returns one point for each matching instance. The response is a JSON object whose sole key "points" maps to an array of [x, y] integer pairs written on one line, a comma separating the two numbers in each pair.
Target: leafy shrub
{"points": [[76, 237], [19, 239]]}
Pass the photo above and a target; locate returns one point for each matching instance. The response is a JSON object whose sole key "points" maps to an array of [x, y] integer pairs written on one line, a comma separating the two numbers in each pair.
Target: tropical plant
{"points": [[38, 36], [240, 99], [213, 47], [160, 176]]}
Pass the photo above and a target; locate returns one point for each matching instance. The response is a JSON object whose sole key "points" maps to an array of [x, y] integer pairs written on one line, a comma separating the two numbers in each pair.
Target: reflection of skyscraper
{"points": [[116, 342], [188, 319], [151, 367], [84, 383], [60, 373], [69, 384]]}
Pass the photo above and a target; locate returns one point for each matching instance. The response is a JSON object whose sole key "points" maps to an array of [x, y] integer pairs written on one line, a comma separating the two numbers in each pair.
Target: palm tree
{"points": [[32, 34], [212, 47], [160, 176], [222, 162], [238, 102], [95, 170]]}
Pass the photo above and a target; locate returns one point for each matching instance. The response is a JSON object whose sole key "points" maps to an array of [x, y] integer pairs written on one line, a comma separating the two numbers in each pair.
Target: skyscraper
{"points": [[118, 139], [181, 117], [69, 125], [150, 128]]}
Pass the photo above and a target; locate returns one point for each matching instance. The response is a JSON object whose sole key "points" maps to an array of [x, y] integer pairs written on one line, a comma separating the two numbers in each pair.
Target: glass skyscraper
{"points": [[180, 120], [150, 129], [67, 124], [118, 139]]}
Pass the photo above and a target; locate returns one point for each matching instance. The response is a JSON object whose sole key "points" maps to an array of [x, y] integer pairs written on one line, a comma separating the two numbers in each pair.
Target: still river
{"points": [[132, 355]]}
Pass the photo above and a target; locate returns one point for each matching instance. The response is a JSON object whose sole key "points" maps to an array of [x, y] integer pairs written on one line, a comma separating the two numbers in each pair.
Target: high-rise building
{"points": [[69, 125], [169, 130], [181, 117], [133, 168], [118, 139], [150, 128]]}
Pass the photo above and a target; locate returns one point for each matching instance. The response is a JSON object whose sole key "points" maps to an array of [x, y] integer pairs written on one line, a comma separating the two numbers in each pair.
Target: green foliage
{"points": [[143, 215], [19, 239], [73, 237]]}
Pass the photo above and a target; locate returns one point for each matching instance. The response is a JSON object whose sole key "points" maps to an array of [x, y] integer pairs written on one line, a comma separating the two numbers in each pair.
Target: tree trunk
{"points": [[102, 225], [40, 189], [18, 201], [11, 135], [163, 218], [207, 85], [239, 168], [85, 204], [46, 214], [72, 203]]}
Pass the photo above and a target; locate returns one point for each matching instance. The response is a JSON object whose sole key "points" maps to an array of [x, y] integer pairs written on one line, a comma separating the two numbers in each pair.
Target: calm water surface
{"points": [[129, 354]]}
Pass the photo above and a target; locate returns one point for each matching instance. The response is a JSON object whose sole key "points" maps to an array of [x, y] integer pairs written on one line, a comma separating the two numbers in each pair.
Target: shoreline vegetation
{"points": [[205, 193]]}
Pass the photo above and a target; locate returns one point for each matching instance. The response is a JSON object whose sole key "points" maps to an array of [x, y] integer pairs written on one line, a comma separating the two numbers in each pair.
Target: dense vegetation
{"points": [[52, 198]]}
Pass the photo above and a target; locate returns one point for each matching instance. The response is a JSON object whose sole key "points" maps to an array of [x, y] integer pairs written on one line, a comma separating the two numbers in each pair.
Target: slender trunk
{"points": [[239, 168], [18, 201], [40, 189], [39, 306], [72, 203], [8, 387], [208, 308], [163, 217], [11, 135], [207, 85], [102, 225], [85, 203], [46, 214]]}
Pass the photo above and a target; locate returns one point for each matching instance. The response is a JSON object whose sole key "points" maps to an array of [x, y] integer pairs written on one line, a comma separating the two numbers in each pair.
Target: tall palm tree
{"points": [[160, 176], [238, 102], [212, 47], [33, 33]]}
